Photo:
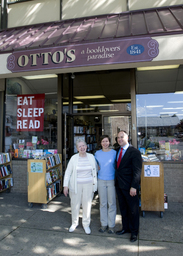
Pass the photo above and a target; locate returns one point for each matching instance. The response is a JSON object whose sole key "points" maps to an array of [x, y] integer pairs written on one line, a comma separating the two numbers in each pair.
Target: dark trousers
{"points": [[129, 208]]}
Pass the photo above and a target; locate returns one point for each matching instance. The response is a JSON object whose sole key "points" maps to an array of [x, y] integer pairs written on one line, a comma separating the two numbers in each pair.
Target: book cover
{"points": [[48, 178]]}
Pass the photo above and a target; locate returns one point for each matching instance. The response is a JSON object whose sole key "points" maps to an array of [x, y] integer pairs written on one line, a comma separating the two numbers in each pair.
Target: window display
{"points": [[160, 126], [31, 117]]}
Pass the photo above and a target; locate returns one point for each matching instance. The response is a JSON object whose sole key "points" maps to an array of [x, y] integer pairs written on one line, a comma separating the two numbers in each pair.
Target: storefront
{"points": [[94, 87]]}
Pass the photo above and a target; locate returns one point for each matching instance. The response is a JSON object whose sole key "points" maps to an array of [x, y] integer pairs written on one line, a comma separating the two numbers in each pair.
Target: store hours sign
{"points": [[30, 112]]}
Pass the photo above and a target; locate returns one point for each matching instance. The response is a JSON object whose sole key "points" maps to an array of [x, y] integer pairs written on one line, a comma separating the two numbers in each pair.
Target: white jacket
{"points": [[70, 177]]}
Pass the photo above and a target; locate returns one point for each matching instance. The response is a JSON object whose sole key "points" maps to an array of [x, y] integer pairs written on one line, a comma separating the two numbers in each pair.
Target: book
{"points": [[4, 158], [9, 168], [48, 178]]}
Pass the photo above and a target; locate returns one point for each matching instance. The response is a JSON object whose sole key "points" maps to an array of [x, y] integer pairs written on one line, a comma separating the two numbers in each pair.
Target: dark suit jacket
{"points": [[129, 172]]}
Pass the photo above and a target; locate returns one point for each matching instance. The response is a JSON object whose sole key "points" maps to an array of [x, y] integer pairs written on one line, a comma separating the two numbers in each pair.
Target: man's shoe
{"points": [[133, 238], [121, 232], [72, 228], [87, 230]]}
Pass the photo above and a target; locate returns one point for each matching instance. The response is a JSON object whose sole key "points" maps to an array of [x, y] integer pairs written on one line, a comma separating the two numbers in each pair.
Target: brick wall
{"points": [[19, 169], [173, 180]]}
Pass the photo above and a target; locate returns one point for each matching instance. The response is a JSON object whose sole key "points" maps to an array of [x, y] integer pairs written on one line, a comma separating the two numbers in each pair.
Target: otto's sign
{"points": [[30, 112], [100, 53]]}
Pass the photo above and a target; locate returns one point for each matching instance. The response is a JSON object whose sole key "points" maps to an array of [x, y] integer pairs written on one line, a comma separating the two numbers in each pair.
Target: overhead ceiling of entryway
{"points": [[112, 84], [160, 81]]}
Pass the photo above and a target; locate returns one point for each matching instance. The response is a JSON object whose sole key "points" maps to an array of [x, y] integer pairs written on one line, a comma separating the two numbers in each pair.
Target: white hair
{"points": [[80, 140]]}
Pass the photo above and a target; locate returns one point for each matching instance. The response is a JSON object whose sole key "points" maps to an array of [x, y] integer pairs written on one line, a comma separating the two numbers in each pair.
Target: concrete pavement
{"points": [[37, 231]]}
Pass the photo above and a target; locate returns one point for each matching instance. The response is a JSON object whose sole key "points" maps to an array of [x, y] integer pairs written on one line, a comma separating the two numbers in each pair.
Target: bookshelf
{"points": [[44, 179], [6, 180], [88, 134]]}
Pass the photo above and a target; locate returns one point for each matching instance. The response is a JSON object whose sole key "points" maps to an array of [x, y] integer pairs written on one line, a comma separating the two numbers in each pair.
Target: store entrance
{"points": [[112, 124], [99, 103], [90, 128], [86, 127]]}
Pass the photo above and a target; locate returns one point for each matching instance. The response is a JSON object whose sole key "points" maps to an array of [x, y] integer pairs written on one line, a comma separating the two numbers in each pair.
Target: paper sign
{"points": [[30, 112], [34, 139], [37, 167], [151, 171]]}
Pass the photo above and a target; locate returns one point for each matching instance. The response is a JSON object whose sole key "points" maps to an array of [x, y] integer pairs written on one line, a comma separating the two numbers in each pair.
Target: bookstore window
{"points": [[28, 144], [160, 114]]}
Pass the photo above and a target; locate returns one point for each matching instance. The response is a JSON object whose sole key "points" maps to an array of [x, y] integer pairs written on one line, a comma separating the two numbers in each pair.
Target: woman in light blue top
{"points": [[106, 158]]}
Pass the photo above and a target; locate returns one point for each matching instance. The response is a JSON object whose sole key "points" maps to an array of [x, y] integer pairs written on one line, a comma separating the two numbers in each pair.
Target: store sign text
{"points": [[57, 57], [82, 55], [135, 49], [30, 112]]}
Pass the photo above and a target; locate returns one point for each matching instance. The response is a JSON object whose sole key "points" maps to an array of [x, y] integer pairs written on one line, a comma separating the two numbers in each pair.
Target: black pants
{"points": [[129, 208]]}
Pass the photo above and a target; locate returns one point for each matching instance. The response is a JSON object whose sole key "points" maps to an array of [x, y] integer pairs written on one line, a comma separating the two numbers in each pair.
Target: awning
{"points": [[149, 22]]}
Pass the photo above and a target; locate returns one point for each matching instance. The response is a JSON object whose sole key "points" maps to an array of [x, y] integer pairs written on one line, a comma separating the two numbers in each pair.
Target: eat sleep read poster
{"points": [[30, 112]]}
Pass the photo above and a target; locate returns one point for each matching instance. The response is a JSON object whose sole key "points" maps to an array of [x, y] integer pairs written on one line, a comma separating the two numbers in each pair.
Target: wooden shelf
{"points": [[78, 134], [5, 189], [5, 163], [9, 176], [37, 185], [152, 187], [55, 166], [5, 177], [52, 182]]}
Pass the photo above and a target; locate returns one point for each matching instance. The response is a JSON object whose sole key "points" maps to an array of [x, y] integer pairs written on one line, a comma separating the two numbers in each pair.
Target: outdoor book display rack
{"points": [[152, 187], [44, 179], [6, 180]]}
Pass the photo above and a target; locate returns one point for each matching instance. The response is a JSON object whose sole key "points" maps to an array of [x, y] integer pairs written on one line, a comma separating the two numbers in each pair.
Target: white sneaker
{"points": [[72, 228], [87, 230]]}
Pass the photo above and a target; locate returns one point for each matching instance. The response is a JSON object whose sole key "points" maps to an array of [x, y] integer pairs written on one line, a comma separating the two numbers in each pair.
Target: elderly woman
{"points": [[81, 181]]}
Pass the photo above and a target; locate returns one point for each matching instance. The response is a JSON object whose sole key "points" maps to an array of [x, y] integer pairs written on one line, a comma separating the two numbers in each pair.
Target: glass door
{"points": [[68, 139], [111, 125]]}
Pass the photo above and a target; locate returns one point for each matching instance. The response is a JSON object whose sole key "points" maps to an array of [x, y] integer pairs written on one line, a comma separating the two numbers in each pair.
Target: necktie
{"points": [[119, 158]]}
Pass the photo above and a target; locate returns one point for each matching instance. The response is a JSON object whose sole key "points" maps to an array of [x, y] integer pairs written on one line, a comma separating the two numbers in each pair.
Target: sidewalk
{"points": [[36, 231]]}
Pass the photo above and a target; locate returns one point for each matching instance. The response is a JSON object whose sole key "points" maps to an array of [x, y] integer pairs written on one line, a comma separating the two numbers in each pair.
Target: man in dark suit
{"points": [[127, 180]]}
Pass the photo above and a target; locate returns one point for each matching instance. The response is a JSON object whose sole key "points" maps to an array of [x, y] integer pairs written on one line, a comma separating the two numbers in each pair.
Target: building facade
{"points": [[100, 66]]}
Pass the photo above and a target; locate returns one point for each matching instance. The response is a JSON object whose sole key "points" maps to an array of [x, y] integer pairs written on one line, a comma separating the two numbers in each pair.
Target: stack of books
{"points": [[5, 171], [53, 189], [52, 175], [6, 183], [150, 158], [4, 158]]}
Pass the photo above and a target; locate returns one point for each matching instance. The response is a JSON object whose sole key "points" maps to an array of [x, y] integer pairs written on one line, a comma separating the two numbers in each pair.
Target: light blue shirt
{"points": [[124, 150], [106, 162]]}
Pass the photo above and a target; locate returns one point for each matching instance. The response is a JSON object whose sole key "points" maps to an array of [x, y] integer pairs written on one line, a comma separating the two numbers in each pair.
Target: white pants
{"points": [[107, 197], [84, 196]]}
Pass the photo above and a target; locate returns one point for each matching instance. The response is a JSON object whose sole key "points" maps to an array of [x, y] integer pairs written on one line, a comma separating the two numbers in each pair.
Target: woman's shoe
{"points": [[87, 230], [102, 229], [111, 231], [72, 228]]}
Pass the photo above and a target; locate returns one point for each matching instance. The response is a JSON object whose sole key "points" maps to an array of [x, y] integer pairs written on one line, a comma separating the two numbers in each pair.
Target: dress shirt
{"points": [[124, 150]]}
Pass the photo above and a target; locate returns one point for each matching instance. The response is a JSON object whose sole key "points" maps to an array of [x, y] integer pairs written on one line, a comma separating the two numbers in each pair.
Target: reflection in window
{"points": [[160, 125], [25, 144]]}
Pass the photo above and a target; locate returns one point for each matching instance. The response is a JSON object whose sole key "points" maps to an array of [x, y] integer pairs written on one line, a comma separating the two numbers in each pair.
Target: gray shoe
{"points": [[102, 229], [111, 231]]}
